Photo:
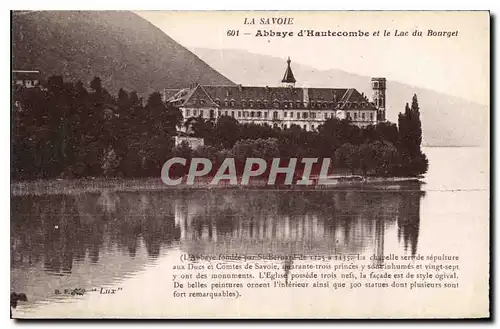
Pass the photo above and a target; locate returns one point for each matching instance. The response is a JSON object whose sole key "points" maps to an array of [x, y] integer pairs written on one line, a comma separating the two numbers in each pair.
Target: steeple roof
{"points": [[288, 78]]}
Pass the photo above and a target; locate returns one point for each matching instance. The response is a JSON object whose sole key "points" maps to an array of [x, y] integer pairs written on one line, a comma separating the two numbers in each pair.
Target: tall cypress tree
{"points": [[410, 139], [416, 128]]}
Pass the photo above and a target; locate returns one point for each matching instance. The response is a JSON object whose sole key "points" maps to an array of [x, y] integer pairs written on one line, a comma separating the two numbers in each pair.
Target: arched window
{"points": [[252, 114], [226, 103], [243, 103], [259, 104], [217, 101], [298, 104], [250, 103], [291, 105], [276, 104], [232, 103]]}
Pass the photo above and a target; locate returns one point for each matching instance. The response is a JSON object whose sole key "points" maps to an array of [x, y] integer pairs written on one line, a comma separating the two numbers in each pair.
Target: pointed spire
{"points": [[288, 77]]}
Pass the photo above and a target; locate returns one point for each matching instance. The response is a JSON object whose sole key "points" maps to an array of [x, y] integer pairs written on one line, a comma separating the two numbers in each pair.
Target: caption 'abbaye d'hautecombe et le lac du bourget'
{"points": [[333, 33]]}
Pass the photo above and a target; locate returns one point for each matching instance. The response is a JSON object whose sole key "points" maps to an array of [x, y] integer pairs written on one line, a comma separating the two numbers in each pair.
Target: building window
{"points": [[326, 116], [225, 113], [239, 114], [355, 116], [297, 104], [243, 104], [259, 104], [371, 116], [276, 105], [212, 113], [349, 115], [217, 101], [259, 114], [291, 115], [232, 103], [312, 127], [363, 116], [202, 101], [304, 115], [232, 114], [265, 105], [285, 126], [226, 103], [275, 115], [252, 114], [250, 104], [291, 105], [187, 113], [195, 112], [311, 104], [285, 114], [313, 115], [305, 127], [265, 114]]}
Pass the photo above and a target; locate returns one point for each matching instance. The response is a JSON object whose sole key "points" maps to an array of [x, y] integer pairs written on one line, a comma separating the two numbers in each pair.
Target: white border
{"points": [[494, 6]]}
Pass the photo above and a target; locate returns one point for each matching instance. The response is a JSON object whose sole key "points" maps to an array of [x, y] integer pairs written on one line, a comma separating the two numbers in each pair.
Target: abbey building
{"points": [[282, 106]]}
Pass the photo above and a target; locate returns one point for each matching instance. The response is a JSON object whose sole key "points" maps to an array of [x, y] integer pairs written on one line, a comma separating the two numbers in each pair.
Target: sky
{"points": [[457, 65]]}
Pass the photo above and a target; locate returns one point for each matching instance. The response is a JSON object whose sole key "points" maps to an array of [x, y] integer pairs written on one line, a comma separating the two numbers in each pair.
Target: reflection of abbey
{"points": [[282, 106]]}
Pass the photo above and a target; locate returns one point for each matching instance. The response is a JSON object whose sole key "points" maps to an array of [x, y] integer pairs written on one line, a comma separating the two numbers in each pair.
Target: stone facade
{"points": [[282, 106]]}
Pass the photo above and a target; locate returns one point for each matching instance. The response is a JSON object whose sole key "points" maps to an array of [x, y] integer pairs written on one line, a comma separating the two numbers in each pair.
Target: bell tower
{"points": [[288, 78], [378, 87]]}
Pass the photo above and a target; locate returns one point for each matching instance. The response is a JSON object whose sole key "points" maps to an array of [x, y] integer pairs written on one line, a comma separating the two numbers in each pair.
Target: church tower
{"points": [[378, 87], [288, 78]]}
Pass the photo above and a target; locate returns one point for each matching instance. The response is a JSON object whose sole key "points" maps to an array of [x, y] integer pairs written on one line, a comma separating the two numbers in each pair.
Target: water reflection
{"points": [[288, 222], [87, 240]]}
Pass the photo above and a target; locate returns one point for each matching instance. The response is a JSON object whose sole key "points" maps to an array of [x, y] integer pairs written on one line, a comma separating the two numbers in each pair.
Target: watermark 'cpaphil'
{"points": [[307, 171]]}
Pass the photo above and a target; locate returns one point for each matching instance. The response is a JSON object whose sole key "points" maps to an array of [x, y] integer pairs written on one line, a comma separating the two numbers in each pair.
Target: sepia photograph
{"points": [[250, 164]]}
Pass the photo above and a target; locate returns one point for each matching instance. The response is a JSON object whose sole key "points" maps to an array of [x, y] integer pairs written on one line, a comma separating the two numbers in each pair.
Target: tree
{"points": [[413, 161], [348, 156], [227, 131], [96, 85], [109, 162]]}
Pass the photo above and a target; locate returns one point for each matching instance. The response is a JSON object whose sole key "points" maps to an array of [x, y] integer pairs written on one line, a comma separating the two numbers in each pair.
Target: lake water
{"points": [[129, 241]]}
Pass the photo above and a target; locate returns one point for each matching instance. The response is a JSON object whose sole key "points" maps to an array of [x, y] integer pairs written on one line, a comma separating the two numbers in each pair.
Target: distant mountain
{"points": [[446, 120], [122, 48]]}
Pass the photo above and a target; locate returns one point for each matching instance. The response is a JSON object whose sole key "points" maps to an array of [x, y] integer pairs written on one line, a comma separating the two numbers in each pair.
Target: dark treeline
{"points": [[66, 130], [69, 131]]}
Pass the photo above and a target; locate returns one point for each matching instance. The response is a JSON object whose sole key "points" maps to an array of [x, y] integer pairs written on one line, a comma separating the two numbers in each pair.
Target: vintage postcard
{"points": [[250, 164]]}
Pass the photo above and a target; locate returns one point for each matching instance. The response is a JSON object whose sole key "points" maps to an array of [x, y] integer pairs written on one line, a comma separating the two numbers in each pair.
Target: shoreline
{"points": [[88, 185]]}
